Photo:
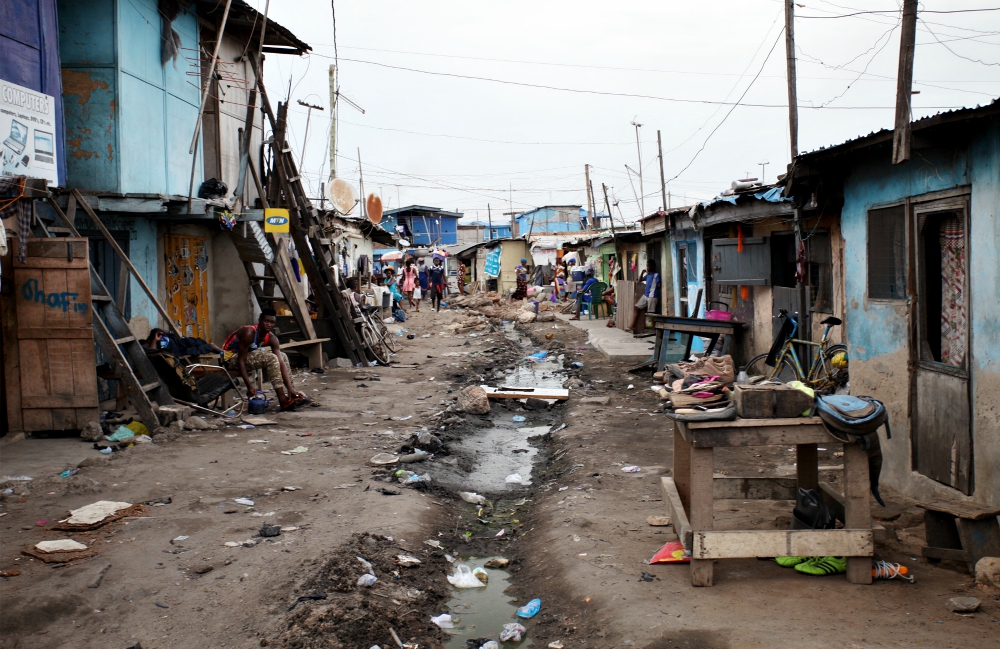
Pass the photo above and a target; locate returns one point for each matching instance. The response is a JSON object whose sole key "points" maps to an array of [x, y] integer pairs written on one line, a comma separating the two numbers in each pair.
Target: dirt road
{"points": [[576, 535]]}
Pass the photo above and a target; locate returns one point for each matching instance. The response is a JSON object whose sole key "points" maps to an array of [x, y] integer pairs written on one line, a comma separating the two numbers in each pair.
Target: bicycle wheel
{"points": [[374, 343], [758, 371], [388, 338], [839, 376]]}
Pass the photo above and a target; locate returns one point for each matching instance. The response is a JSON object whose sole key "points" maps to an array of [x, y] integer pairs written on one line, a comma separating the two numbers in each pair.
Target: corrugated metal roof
{"points": [[878, 137], [245, 21]]}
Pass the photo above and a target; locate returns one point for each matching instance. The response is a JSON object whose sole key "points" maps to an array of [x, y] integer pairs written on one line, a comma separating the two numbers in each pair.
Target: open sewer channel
{"points": [[500, 451]]}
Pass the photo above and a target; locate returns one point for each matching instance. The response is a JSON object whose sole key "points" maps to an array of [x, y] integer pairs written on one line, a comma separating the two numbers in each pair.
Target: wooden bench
{"points": [[313, 349], [960, 531], [690, 495]]}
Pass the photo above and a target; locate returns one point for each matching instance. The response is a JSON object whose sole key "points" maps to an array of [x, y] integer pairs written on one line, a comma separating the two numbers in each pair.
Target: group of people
{"points": [[417, 281], [564, 288]]}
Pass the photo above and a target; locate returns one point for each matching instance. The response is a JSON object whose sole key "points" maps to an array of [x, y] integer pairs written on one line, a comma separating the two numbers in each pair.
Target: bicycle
{"points": [[824, 374], [375, 334]]}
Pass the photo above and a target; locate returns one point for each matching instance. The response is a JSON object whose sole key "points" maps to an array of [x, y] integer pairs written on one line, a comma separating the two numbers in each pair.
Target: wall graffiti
{"points": [[64, 300]]}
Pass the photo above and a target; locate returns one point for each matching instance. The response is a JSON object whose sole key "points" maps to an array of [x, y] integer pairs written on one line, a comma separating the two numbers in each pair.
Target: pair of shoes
{"points": [[821, 566]]}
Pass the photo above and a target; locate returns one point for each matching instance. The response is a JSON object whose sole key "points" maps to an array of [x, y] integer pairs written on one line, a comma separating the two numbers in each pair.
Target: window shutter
{"points": [[752, 267]]}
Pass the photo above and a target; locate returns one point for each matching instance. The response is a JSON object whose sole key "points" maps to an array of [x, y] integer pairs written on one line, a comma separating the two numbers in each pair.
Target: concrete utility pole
{"points": [[663, 183], [305, 138], [793, 99], [904, 84], [361, 183], [333, 122], [590, 197], [642, 196]]}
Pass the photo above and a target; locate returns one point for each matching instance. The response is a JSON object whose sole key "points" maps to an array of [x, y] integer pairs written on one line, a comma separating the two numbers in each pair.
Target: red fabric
{"points": [[739, 238]]}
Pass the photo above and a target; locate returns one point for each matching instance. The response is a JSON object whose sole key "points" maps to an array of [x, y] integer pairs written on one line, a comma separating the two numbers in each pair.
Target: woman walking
{"points": [[422, 274], [410, 283], [521, 272]]}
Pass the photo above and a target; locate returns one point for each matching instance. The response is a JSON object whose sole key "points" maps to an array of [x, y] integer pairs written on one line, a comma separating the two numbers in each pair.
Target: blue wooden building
{"points": [[921, 262], [29, 57], [131, 106], [423, 226], [558, 218]]}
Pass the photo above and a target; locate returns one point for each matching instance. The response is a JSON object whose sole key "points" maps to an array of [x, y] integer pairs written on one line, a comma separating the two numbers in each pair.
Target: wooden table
{"points": [[712, 329], [690, 494]]}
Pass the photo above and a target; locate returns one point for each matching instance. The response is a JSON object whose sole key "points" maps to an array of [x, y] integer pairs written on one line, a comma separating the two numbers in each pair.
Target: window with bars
{"points": [[887, 253]]}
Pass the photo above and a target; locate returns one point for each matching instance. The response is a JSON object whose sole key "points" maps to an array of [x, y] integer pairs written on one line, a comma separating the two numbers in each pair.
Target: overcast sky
{"points": [[430, 135]]}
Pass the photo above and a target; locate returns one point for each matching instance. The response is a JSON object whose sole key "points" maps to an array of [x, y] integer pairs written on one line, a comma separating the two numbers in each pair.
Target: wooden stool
{"points": [[961, 531]]}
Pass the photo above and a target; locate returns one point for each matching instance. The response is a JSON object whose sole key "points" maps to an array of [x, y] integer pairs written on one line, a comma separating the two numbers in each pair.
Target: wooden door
{"points": [[943, 421], [55, 336], [187, 284]]}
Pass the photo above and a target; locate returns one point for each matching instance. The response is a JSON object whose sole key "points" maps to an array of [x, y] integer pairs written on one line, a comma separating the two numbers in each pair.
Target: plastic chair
{"points": [[594, 297]]}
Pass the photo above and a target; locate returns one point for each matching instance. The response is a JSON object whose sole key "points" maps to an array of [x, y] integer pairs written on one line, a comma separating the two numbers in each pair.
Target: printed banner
{"points": [[492, 265], [276, 220], [27, 133]]}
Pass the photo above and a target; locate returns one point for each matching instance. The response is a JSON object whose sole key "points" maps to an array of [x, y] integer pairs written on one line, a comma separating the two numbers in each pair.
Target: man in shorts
{"points": [[256, 347], [650, 299]]}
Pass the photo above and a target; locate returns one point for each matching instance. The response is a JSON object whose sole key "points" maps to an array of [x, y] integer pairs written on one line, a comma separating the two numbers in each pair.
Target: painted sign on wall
{"points": [[187, 284], [28, 138]]}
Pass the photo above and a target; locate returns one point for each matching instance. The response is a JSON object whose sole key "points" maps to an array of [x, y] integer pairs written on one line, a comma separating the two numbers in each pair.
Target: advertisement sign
{"points": [[492, 265], [28, 133], [276, 220]]}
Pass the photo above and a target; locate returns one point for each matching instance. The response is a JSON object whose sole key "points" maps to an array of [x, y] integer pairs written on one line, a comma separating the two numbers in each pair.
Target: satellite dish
{"points": [[404, 243], [341, 195], [374, 206]]}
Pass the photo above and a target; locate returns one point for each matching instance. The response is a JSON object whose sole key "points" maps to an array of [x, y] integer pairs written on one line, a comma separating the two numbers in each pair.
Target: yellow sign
{"points": [[276, 220]]}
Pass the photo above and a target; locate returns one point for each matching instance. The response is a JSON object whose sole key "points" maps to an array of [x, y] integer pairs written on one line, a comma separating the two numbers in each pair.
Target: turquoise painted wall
{"points": [[129, 119], [877, 330]]}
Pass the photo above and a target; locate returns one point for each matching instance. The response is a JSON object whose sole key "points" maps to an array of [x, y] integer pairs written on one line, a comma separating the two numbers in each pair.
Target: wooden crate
{"points": [[770, 401]]}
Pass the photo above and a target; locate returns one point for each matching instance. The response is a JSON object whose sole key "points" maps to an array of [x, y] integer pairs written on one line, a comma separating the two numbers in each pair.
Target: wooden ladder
{"points": [[117, 342], [306, 230]]}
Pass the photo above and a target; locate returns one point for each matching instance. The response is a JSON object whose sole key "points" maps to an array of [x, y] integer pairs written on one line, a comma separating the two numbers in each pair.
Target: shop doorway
{"points": [[943, 412]]}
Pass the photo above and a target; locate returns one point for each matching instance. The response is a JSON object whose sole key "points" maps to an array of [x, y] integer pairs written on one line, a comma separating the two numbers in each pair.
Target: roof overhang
{"points": [[245, 23]]}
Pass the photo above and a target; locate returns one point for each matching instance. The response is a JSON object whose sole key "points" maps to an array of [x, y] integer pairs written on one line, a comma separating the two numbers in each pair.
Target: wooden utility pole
{"points": [[663, 183], [904, 83], [489, 219], [305, 138], [590, 197], [333, 122], [793, 99]]}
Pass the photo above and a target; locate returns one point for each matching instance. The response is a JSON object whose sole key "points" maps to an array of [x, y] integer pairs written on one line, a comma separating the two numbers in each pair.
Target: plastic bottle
{"points": [[742, 378]]}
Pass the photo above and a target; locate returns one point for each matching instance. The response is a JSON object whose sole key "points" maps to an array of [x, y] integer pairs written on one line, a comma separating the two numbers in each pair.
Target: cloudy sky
{"points": [[473, 104]]}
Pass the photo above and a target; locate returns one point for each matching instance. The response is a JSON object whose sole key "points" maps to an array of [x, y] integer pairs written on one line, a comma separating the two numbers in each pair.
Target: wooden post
{"points": [[702, 508], [590, 197], [904, 83], [663, 183], [857, 510], [793, 100]]}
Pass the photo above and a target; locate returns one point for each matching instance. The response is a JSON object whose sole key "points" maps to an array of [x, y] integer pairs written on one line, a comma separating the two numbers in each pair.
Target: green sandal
{"points": [[822, 566], [789, 562]]}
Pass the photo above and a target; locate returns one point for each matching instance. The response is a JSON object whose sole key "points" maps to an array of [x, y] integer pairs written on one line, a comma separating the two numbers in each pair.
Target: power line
{"points": [[705, 143], [617, 94], [896, 11], [980, 61]]}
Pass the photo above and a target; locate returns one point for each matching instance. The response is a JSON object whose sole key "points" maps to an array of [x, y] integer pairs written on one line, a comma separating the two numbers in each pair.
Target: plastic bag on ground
{"points": [[463, 578], [530, 609], [472, 498], [367, 580], [121, 433], [444, 621], [512, 632]]}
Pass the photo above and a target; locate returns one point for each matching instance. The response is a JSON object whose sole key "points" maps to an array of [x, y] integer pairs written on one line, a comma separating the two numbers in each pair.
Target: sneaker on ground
{"points": [[789, 562], [823, 566]]}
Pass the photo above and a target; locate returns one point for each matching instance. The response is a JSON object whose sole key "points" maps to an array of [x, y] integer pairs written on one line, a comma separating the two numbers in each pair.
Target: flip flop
{"points": [[294, 405]]}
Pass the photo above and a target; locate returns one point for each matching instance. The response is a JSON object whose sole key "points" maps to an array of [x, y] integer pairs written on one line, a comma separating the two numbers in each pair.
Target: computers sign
{"points": [[27, 133]]}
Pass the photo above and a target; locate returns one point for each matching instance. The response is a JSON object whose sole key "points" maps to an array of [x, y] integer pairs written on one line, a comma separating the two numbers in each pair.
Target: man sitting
{"points": [[582, 294], [255, 347]]}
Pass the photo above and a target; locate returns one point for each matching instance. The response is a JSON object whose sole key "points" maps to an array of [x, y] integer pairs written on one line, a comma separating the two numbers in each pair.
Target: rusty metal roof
{"points": [[245, 23]]}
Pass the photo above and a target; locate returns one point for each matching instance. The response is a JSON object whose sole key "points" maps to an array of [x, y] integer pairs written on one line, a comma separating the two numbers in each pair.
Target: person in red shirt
{"points": [[256, 347]]}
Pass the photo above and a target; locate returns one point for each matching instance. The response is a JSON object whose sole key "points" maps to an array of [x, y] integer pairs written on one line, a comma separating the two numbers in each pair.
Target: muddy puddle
{"points": [[503, 451], [482, 612]]}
